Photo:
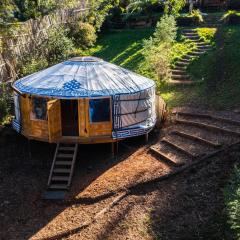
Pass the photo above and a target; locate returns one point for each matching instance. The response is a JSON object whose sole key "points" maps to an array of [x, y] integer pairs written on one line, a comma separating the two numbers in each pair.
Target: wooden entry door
{"points": [[54, 120], [69, 113]]}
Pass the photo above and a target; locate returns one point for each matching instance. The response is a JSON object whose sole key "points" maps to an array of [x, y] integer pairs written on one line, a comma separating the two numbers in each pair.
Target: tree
{"points": [[170, 6]]}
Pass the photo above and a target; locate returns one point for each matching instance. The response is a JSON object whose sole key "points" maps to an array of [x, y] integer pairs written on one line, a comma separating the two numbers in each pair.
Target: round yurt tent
{"points": [[84, 99]]}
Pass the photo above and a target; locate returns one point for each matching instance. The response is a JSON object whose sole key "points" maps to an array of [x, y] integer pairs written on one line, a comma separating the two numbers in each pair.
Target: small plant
{"points": [[84, 34], [232, 200], [197, 14], [207, 34]]}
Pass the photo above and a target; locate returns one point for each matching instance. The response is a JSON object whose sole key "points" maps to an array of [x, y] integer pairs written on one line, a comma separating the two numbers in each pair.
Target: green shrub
{"points": [[157, 49], [84, 34], [32, 65], [232, 201], [57, 46], [5, 98], [207, 34]]}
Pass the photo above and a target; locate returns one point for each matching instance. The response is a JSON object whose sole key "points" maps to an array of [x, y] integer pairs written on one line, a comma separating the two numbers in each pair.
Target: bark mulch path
{"points": [[187, 206]]}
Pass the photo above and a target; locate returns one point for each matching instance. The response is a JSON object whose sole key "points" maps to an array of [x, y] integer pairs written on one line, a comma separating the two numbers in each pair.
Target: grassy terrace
{"points": [[219, 68]]}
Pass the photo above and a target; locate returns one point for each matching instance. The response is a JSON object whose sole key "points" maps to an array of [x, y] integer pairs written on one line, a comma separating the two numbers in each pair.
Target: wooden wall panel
{"points": [[39, 129], [54, 120], [83, 114], [25, 115]]}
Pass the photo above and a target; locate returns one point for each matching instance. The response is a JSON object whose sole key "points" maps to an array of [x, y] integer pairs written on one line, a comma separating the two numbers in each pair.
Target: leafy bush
{"points": [[157, 49], [5, 98], [232, 200], [207, 34], [32, 65], [84, 34], [180, 49], [57, 46]]}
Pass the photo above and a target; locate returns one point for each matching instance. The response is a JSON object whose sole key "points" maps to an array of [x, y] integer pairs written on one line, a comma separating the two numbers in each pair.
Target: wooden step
{"points": [[195, 138], [69, 163], [60, 178], [66, 148], [207, 126], [181, 82], [180, 72], [180, 77], [58, 186], [65, 155], [180, 149], [61, 170], [165, 157], [202, 115]]}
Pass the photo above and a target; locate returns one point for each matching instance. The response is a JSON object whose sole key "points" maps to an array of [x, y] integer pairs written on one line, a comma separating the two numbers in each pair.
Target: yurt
{"points": [[84, 100]]}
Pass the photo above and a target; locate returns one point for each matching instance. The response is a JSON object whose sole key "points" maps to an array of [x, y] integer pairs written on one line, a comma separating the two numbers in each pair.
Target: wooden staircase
{"points": [[62, 166]]}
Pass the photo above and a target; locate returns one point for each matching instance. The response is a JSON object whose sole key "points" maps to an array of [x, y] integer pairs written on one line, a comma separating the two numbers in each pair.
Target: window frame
{"points": [[32, 114], [110, 111]]}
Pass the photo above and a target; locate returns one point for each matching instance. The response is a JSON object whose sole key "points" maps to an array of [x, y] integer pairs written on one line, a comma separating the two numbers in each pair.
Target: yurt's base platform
{"points": [[87, 140], [80, 140]]}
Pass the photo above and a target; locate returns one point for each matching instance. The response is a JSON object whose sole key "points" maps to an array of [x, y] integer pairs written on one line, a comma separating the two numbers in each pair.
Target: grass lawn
{"points": [[219, 68]]}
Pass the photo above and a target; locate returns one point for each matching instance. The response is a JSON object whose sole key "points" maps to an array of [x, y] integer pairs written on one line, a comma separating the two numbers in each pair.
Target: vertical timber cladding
{"points": [[25, 115], [83, 113], [54, 120]]}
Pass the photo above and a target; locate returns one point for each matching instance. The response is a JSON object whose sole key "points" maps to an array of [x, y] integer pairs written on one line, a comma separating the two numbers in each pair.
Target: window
{"points": [[39, 108], [99, 110]]}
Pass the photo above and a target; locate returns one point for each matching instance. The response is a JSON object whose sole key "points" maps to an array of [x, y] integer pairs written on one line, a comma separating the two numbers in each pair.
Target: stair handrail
{"points": [[53, 164], [73, 163]]}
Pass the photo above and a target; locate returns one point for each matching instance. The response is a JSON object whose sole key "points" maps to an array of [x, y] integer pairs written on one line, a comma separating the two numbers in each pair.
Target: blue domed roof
{"points": [[83, 77]]}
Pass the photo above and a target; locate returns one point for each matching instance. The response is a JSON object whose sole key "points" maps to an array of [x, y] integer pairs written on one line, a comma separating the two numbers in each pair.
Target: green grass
{"points": [[220, 71], [123, 47], [219, 68]]}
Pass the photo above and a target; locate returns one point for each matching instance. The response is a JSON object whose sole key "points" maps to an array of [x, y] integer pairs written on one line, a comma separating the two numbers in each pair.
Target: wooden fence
{"points": [[29, 35]]}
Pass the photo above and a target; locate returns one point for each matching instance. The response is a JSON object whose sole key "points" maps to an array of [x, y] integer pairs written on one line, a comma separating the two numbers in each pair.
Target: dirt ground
{"points": [[187, 206]]}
